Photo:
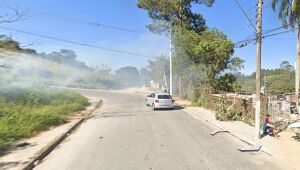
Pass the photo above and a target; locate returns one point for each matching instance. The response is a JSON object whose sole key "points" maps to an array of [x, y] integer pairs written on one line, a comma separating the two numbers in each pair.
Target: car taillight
{"points": [[156, 101]]}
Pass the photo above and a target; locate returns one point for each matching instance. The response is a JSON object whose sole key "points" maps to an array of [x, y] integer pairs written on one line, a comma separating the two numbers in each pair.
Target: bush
{"points": [[201, 101], [242, 110], [25, 112]]}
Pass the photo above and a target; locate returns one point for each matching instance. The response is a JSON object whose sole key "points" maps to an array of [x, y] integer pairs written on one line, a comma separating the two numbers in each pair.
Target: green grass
{"points": [[25, 112]]}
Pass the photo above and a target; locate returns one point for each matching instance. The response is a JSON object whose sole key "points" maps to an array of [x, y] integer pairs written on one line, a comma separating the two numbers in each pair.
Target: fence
{"points": [[280, 110]]}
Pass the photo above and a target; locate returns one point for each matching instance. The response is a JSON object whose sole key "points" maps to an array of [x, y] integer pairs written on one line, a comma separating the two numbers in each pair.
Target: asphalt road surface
{"points": [[128, 135]]}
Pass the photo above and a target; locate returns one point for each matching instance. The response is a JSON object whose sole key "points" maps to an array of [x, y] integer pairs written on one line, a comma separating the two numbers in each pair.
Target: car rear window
{"points": [[164, 97]]}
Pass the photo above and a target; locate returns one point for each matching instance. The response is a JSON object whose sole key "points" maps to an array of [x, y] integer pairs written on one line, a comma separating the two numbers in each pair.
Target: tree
{"points": [[11, 15], [9, 44], [145, 77], [226, 83], [289, 13], [159, 70], [67, 57], [174, 13], [279, 80], [211, 48], [199, 55], [286, 66], [128, 76]]}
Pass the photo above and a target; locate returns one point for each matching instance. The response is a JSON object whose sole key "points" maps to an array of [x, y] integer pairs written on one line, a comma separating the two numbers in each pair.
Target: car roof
{"points": [[162, 94]]}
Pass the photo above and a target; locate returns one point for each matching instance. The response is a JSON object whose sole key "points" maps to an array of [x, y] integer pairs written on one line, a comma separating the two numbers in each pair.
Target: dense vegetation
{"points": [[203, 61], [200, 55], [25, 112], [278, 81]]}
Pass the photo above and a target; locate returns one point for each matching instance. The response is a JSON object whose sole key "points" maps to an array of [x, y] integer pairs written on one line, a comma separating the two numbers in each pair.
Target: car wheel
{"points": [[153, 106]]}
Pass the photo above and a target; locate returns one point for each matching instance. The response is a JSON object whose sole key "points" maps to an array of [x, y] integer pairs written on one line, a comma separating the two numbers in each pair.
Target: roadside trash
{"points": [[294, 125], [254, 148], [218, 131]]}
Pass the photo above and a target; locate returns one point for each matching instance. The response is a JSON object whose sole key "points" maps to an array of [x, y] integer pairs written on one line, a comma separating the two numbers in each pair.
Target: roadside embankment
{"points": [[34, 128]]}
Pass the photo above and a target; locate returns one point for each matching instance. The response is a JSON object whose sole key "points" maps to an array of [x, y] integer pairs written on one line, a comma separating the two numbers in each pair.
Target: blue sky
{"points": [[224, 15]]}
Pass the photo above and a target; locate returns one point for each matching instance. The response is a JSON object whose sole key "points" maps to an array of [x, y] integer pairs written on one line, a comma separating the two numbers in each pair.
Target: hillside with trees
{"points": [[26, 67], [278, 81]]}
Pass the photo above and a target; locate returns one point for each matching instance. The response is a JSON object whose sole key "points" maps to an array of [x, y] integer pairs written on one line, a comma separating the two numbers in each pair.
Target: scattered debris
{"points": [[218, 131], [294, 125], [252, 148]]}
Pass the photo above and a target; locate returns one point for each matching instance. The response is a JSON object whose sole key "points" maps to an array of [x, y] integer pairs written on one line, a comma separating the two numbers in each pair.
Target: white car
{"points": [[160, 101]]}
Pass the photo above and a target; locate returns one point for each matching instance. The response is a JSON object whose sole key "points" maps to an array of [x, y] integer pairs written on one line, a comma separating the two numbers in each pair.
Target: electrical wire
{"points": [[274, 29], [283, 32], [73, 42], [86, 22], [264, 35], [185, 64], [246, 15]]}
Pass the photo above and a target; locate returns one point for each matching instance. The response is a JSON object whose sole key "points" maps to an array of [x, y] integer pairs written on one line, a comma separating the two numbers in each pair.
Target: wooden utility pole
{"points": [[258, 68], [297, 74]]}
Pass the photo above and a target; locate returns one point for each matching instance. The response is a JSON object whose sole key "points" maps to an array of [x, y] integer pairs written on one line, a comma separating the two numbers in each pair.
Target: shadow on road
{"points": [[176, 107]]}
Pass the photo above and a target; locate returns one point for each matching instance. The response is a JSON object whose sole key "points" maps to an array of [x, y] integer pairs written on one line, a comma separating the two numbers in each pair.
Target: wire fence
{"points": [[280, 109]]}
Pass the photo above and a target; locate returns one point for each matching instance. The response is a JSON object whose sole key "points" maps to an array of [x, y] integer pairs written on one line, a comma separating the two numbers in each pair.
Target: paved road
{"points": [[127, 135]]}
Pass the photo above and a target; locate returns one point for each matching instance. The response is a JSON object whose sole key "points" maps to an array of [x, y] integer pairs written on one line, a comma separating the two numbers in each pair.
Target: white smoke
{"points": [[30, 70]]}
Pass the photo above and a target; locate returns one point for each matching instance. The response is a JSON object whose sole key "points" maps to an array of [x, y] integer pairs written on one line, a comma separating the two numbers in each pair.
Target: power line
{"points": [[86, 22], [247, 41], [74, 42], [248, 18], [274, 29], [253, 38], [283, 32]]}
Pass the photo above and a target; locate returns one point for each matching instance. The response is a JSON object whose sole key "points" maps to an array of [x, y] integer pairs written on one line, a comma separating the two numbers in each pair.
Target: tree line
{"points": [[204, 61], [62, 68], [201, 55]]}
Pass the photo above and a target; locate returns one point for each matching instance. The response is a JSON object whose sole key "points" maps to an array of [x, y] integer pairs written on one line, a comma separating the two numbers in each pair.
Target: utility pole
{"points": [[258, 68], [171, 75], [165, 77], [297, 74], [265, 85]]}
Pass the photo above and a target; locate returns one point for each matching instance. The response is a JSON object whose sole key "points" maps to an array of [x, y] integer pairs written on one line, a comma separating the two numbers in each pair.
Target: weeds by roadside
{"points": [[24, 112], [227, 109]]}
